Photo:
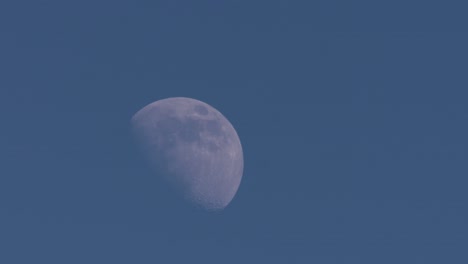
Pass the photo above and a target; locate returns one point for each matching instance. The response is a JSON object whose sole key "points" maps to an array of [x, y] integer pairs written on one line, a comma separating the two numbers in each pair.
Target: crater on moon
{"points": [[201, 110]]}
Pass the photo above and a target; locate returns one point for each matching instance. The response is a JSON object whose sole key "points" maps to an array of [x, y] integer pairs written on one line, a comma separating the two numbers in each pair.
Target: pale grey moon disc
{"points": [[193, 147]]}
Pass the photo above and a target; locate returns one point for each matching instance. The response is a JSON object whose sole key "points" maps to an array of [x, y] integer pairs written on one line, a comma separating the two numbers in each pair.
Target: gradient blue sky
{"points": [[352, 114]]}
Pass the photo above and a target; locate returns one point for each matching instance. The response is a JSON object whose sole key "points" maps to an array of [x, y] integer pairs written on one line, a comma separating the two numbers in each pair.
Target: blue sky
{"points": [[352, 117]]}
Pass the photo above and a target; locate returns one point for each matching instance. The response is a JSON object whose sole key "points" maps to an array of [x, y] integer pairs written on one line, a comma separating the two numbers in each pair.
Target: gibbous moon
{"points": [[193, 147]]}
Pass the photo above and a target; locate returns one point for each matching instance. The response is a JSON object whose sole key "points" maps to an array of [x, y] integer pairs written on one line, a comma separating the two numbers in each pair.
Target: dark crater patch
{"points": [[213, 127], [213, 147], [167, 130], [190, 130], [205, 132], [200, 109]]}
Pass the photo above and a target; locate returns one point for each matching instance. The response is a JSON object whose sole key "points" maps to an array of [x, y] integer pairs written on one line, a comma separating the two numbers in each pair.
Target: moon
{"points": [[193, 147]]}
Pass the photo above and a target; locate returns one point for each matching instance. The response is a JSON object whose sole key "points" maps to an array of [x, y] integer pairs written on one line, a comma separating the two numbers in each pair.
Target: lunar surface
{"points": [[193, 147]]}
